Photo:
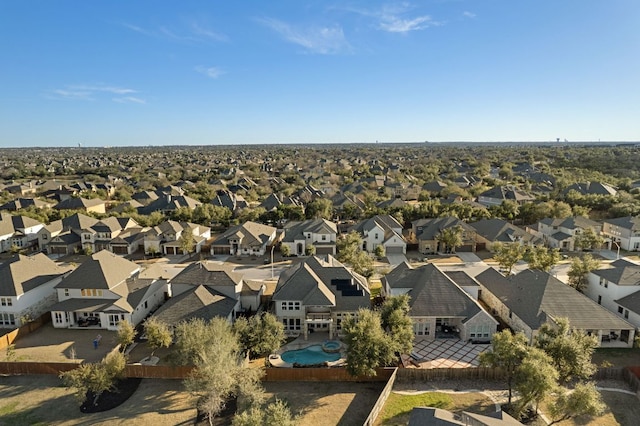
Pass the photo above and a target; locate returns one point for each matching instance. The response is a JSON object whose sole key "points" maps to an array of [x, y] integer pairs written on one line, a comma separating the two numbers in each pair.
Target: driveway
{"points": [[468, 257], [396, 258]]}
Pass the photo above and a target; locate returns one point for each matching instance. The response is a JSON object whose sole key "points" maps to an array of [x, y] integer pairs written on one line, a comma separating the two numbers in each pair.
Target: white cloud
{"points": [[468, 14], [207, 33], [322, 40], [91, 92], [129, 100], [395, 24], [211, 72], [193, 33], [397, 18]]}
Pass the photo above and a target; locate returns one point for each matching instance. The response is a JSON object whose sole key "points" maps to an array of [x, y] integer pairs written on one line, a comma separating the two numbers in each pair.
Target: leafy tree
{"points": [[220, 371], [394, 315], [259, 335], [507, 352], [379, 251], [570, 349], [319, 208], [126, 334], [508, 255], [579, 271], [95, 378], [187, 242], [542, 258], [350, 252], [285, 250], [309, 250], [451, 237], [584, 399], [276, 413], [368, 346], [158, 334], [535, 378], [588, 239]]}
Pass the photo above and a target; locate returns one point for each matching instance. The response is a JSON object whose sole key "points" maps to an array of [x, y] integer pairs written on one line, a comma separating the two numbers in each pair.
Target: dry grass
{"points": [[622, 410]]}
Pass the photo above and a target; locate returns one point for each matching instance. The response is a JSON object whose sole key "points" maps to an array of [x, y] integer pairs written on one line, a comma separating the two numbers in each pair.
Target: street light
{"points": [[617, 245], [272, 247]]}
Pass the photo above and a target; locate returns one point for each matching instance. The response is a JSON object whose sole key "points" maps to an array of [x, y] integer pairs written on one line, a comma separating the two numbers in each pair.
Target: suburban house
{"points": [[430, 416], [103, 291], [167, 203], [439, 307], [63, 236], [590, 188], [427, 232], [19, 232], [94, 205], [382, 230], [165, 238], [250, 238], [495, 196], [531, 298], [320, 233], [315, 295], [27, 287], [23, 203], [561, 233], [228, 199], [491, 231], [616, 286], [622, 233], [206, 290]]}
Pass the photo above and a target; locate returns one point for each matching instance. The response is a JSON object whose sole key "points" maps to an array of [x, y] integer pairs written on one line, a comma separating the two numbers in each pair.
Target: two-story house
{"points": [[562, 233], [382, 230], [427, 233], [497, 195], [27, 287], [250, 238], [315, 295], [103, 291], [439, 307], [622, 233], [616, 286], [491, 231], [321, 233], [20, 232]]}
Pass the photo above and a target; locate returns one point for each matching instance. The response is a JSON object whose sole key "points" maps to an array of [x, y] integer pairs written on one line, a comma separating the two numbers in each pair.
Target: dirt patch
{"points": [[617, 357], [327, 403]]}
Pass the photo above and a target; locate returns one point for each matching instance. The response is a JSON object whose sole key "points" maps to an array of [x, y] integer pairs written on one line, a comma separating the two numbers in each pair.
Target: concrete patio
{"points": [[444, 353]]}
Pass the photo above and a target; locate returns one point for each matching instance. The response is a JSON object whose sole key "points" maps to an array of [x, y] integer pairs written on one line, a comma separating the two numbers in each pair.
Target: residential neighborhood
{"points": [[242, 238]]}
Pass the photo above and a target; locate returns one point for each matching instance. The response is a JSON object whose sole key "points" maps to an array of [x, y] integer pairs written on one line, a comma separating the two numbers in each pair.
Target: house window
{"points": [[7, 319], [87, 236], [57, 317], [626, 314], [421, 328], [602, 281], [510, 314], [66, 292], [291, 324], [620, 309], [375, 236], [114, 319], [6, 301], [599, 300], [45, 237], [479, 331], [324, 238]]}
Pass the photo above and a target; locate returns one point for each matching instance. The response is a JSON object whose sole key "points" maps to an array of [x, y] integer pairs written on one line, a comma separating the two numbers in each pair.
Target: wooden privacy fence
{"points": [[382, 399], [9, 338], [322, 375], [434, 374]]}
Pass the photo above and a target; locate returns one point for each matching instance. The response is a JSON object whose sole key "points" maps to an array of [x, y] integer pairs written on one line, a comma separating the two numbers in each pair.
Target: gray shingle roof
{"points": [[198, 302], [23, 273], [207, 273], [433, 293], [104, 270], [253, 234], [620, 272], [295, 230], [500, 230], [631, 302], [535, 295]]}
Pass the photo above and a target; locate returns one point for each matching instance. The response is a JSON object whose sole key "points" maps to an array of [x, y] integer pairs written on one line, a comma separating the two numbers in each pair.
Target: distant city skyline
{"points": [[116, 73]]}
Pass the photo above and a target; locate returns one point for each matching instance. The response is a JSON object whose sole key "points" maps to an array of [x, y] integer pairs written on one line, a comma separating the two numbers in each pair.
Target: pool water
{"points": [[310, 355]]}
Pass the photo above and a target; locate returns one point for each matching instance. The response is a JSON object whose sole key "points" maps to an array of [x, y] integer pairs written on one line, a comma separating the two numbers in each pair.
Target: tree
{"points": [[350, 252], [285, 250], [276, 413], [368, 346], [451, 237], [259, 335], [319, 208], [394, 316], [379, 251], [158, 334], [220, 372], [584, 399], [535, 378], [508, 255], [187, 242], [570, 349], [579, 271], [507, 352], [95, 378], [542, 258], [588, 239], [126, 334], [309, 250]]}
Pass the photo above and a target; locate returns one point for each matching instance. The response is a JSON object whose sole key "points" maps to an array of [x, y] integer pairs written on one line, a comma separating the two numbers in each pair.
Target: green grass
{"points": [[10, 417], [398, 407]]}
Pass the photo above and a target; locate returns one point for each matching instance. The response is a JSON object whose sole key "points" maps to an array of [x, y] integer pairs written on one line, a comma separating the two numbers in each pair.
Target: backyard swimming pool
{"points": [[310, 355]]}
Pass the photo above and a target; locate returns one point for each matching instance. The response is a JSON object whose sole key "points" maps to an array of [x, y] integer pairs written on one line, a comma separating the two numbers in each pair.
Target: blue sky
{"points": [[241, 72]]}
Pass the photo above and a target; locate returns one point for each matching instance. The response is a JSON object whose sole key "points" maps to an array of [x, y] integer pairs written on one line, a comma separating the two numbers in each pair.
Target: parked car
{"points": [[88, 321]]}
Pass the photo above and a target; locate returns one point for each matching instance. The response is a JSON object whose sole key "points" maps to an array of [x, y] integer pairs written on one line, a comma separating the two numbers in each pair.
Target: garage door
{"points": [[395, 250], [57, 250], [119, 250], [465, 248], [324, 250], [220, 250]]}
